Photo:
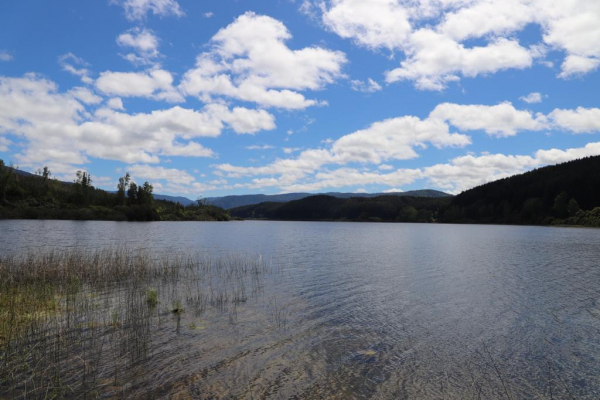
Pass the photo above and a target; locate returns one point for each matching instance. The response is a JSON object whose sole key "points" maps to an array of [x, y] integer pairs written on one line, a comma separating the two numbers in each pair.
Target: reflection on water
{"points": [[364, 310]]}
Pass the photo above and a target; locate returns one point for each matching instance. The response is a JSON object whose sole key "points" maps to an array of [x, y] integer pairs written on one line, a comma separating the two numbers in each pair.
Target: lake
{"points": [[366, 310]]}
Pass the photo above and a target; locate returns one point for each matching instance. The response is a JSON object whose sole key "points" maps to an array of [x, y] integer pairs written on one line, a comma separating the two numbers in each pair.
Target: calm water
{"points": [[373, 310]]}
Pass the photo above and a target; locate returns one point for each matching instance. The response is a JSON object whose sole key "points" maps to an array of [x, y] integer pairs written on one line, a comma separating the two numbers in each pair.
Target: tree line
{"points": [[40, 196]]}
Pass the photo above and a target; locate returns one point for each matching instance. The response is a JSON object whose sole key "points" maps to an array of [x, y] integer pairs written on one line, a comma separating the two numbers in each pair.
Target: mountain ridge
{"points": [[233, 201]]}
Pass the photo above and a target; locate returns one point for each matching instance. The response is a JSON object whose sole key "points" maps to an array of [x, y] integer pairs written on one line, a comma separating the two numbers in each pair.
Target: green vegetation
{"points": [[328, 208], [38, 196], [564, 194], [84, 324]]}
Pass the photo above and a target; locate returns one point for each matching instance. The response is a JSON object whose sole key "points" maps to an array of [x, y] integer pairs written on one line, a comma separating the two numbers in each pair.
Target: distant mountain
{"points": [[228, 202], [184, 201], [386, 208]]}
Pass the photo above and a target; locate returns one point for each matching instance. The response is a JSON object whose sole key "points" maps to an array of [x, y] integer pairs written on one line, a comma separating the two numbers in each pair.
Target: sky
{"points": [[218, 97]]}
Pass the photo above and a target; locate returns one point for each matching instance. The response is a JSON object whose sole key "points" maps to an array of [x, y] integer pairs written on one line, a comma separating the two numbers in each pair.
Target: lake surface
{"points": [[367, 310]]}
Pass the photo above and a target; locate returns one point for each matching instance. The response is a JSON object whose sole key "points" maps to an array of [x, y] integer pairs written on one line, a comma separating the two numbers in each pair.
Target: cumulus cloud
{"points": [[173, 180], [143, 42], [401, 138], [156, 84], [138, 9], [434, 35], [85, 95], [434, 60], [250, 61], [115, 103], [580, 120], [500, 120], [58, 128], [532, 98]]}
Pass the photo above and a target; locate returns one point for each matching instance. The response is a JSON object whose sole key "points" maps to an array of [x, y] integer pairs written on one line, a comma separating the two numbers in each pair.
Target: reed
{"points": [[79, 323]]}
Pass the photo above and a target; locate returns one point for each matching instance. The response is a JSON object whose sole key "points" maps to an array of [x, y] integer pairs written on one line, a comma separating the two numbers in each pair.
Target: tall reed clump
{"points": [[76, 323]]}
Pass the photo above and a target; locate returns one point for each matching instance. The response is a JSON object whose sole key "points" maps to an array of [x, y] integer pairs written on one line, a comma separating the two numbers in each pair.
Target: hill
{"points": [[388, 208], [228, 202], [37, 196], [564, 194], [567, 193]]}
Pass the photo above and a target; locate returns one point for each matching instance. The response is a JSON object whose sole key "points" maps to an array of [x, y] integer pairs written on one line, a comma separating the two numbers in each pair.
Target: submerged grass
{"points": [[77, 324]]}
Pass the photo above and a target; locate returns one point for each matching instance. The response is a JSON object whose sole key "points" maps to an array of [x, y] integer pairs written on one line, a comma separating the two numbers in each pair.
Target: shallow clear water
{"points": [[371, 310]]}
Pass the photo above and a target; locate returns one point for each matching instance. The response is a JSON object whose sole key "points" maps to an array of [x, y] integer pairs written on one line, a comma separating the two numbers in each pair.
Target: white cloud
{"points": [[459, 174], [465, 172], [290, 150], [500, 120], [5, 56], [260, 147], [138, 9], [75, 66], [578, 65], [172, 180], [532, 98], [400, 138], [392, 139], [433, 34], [208, 14], [250, 61], [156, 84], [4, 143], [115, 103], [85, 95], [348, 177], [469, 171], [581, 120], [160, 173], [58, 129], [372, 23], [369, 86], [144, 43], [435, 59], [556, 156]]}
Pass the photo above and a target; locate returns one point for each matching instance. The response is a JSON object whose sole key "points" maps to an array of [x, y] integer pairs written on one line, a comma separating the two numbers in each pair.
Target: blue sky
{"points": [[208, 98]]}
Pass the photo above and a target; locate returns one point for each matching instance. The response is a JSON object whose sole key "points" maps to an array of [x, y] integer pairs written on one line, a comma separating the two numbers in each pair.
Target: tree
{"points": [[560, 205], [144, 194], [83, 185], [201, 202], [122, 188], [132, 194], [573, 207], [6, 175]]}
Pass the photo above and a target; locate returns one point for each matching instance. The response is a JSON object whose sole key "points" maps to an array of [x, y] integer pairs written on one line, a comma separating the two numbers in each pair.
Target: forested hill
{"points": [[387, 208], [38, 196], [233, 201], [566, 193]]}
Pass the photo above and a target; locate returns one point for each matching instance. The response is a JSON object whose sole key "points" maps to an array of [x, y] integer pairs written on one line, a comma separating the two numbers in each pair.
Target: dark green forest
{"points": [[39, 196], [564, 194], [328, 208]]}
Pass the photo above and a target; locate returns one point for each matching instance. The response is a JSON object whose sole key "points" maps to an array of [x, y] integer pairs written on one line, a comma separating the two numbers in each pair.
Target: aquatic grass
{"points": [[80, 323], [152, 297]]}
